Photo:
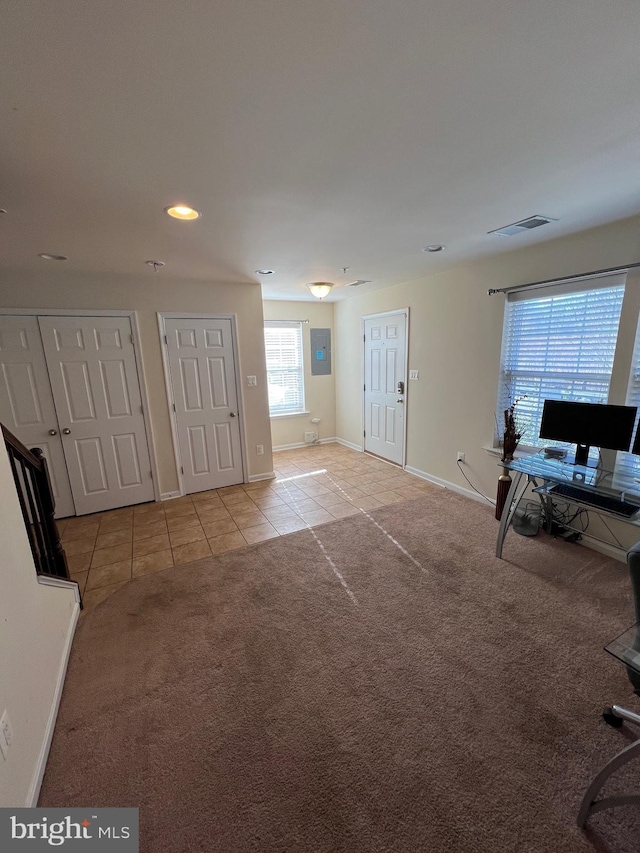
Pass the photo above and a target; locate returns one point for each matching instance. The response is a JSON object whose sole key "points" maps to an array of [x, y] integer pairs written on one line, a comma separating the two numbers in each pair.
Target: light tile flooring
{"points": [[313, 486]]}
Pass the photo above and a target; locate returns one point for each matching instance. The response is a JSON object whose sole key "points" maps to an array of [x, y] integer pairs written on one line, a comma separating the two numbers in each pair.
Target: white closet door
{"points": [[384, 380], [26, 402], [94, 378], [203, 379]]}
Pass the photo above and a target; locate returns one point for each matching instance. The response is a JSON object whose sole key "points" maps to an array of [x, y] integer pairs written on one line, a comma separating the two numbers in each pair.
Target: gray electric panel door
{"points": [[320, 352]]}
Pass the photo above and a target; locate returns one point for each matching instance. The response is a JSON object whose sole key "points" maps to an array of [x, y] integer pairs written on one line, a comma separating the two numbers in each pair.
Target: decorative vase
{"points": [[504, 484]]}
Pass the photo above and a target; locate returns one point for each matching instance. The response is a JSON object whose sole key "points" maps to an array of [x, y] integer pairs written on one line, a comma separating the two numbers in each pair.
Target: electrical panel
{"points": [[320, 352]]}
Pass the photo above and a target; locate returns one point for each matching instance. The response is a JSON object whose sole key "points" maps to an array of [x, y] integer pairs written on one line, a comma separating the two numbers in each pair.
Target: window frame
{"points": [[299, 370], [506, 380]]}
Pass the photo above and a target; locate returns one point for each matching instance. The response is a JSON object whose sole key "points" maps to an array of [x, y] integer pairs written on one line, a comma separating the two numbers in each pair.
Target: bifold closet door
{"points": [[94, 379], [26, 401], [203, 379]]}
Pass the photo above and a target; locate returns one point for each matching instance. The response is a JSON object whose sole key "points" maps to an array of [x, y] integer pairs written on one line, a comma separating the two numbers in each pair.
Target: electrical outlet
{"points": [[6, 734], [460, 456], [259, 449], [315, 420], [252, 380], [414, 374]]}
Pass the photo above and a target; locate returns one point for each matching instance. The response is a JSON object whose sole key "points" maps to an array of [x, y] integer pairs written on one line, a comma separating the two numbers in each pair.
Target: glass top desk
{"points": [[616, 481]]}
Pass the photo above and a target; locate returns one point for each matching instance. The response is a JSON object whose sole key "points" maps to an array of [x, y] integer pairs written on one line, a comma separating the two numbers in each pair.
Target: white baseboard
{"points": [[36, 782], [169, 496], [255, 478], [446, 484], [350, 444], [303, 444]]}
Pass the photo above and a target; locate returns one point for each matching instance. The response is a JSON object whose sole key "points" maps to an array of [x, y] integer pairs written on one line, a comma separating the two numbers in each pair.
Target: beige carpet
{"points": [[346, 695]]}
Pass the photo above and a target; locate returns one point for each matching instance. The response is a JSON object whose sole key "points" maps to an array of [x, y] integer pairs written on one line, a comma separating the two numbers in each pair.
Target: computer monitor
{"points": [[588, 424]]}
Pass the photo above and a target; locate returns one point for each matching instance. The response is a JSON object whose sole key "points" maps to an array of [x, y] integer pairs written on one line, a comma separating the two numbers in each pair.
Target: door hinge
{"points": [[364, 339], [181, 470], [364, 387], [364, 432], [131, 339], [141, 409], [174, 406], [165, 340]]}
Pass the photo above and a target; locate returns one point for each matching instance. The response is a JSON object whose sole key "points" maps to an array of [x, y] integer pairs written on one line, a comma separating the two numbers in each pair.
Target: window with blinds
{"points": [[558, 344], [285, 372]]}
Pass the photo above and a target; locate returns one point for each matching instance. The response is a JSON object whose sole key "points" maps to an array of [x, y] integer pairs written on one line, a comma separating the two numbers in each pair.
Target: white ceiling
{"points": [[312, 134]]}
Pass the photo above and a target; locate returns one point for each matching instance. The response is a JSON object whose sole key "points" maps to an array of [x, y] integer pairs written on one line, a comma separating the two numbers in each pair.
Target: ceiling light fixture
{"points": [[49, 257], [182, 211], [264, 272], [434, 247], [320, 288]]}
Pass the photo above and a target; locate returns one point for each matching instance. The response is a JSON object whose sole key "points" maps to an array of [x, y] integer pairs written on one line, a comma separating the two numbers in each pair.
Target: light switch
{"points": [[414, 374], [251, 380]]}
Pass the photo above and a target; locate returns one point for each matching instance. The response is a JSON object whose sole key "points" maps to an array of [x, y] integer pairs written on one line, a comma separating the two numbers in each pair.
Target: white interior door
{"points": [[96, 391], [26, 401], [203, 379], [385, 340]]}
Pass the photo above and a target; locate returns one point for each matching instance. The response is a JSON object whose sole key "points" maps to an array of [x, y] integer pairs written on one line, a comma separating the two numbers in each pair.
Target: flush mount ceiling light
{"points": [[181, 211], [49, 257], [264, 272], [320, 288], [434, 247]]}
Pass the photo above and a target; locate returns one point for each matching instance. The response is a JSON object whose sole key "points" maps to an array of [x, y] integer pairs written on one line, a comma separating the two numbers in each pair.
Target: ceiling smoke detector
{"points": [[522, 226], [155, 264], [358, 282]]}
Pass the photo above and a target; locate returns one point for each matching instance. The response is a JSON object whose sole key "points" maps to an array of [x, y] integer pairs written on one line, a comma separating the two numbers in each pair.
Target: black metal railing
{"points": [[33, 485]]}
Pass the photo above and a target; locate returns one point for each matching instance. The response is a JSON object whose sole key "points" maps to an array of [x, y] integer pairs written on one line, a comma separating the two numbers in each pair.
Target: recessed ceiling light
{"points": [[181, 211], [264, 272], [49, 257], [435, 247]]}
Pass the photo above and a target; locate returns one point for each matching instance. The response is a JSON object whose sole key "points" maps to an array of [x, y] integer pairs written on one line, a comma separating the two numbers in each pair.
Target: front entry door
{"points": [[203, 379], [94, 379], [385, 384], [26, 402]]}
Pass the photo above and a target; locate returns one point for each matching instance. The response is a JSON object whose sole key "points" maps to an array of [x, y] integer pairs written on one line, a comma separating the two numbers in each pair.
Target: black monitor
{"points": [[587, 424]]}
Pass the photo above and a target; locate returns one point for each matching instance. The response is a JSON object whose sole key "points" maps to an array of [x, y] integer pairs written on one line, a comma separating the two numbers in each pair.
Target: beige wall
{"points": [[454, 341], [35, 632], [320, 391], [55, 288]]}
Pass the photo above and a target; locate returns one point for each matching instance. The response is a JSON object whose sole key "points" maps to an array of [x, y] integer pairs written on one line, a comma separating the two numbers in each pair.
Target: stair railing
{"points": [[31, 476]]}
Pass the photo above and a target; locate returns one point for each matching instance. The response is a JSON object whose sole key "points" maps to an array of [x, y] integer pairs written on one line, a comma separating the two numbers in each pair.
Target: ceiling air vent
{"points": [[523, 225], [358, 282]]}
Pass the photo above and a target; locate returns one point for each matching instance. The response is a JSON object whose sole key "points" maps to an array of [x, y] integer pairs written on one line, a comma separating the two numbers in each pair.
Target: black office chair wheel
{"points": [[609, 717]]}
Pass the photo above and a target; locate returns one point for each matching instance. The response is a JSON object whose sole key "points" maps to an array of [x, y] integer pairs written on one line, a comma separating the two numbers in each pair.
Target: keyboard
{"points": [[594, 499]]}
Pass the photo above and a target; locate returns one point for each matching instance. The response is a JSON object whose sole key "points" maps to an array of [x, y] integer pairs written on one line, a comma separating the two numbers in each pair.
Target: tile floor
{"points": [[313, 486]]}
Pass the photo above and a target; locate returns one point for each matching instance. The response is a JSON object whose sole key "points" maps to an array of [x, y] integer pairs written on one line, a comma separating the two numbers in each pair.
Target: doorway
{"points": [[70, 385], [385, 380], [200, 363]]}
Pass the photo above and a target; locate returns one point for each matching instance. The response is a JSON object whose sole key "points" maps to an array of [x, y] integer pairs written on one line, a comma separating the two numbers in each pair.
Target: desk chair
{"points": [[616, 715]]}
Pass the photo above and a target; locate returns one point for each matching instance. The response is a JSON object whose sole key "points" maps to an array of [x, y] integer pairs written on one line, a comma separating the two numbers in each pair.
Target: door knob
{"points": [[66, 431], [53, 432], [232, 414], [399, 401]]}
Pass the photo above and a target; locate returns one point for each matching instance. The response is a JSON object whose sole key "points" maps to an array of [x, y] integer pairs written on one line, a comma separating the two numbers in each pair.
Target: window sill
{"points": [[289, 415]]}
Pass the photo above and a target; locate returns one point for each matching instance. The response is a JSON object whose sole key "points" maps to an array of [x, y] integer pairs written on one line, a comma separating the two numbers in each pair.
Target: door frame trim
{"points": [[375, 316], [194, 315], [137, 351]]}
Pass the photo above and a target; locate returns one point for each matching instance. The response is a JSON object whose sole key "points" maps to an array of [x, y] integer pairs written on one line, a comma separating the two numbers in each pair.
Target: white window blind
{"points": [[558, 344], [285, 374], [629, 460]]}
